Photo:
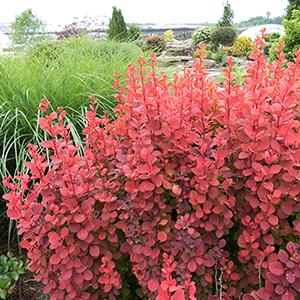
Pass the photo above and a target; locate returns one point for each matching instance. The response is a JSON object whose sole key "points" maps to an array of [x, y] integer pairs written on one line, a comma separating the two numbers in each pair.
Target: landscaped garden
{"points": [[146, 167]]}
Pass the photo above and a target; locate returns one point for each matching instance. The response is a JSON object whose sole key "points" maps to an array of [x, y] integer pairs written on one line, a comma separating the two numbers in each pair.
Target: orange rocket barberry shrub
{"points": [[196, 184]]}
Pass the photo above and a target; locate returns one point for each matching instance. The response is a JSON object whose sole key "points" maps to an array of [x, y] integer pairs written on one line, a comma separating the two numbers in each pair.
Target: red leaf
{"points": [[243, 155], [179, 295], [13, 214], [279, 289], [79, 218], [275, 169], [192, 266], [158, 180], [82, 234], [130, 187], [66, 192], [176, 189], [66, 275], [146, 186], [88, 275], [47, 144], [153, 285], [25, 244], [283, 256], [208, 261], [273, 220], [55, 259], [143, 169], [162, 236], [94, 251], [288, 296], [276, 268], [290, 277], [287, 208], [54, 239]]}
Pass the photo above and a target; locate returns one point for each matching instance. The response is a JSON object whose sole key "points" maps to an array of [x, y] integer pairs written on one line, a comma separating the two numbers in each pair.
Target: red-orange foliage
{"points": [[198, 184]]}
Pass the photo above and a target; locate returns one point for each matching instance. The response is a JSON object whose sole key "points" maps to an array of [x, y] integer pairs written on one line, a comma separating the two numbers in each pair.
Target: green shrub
{"points": [[292, 35], [155, 43], [227, 17], [10, 270], [219, 56], [238, 73], [134, 33], [49, 50], [202, 35], [242, 46], [293, 5], [228, 50], [169, 35], [272, 52], [67, 72], [270, 39], [224, 36], [25, 29], [117, 29]]}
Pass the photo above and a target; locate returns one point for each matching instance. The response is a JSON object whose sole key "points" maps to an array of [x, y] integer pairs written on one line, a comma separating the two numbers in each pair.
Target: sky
{"points": [[140, 11]]}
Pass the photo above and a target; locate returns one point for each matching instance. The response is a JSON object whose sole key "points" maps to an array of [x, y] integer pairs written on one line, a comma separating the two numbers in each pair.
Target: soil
{"points": [[26, 288]]}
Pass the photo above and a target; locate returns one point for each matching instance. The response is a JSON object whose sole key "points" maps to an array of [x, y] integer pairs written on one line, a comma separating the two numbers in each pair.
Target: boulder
{"points": [[214, 74], [209, 64], [240, 61], [180, 48], [173, 59]]}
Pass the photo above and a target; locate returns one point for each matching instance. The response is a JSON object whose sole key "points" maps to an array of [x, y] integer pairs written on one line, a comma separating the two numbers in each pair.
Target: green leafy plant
{"points": [[48, 50], [292, 34], [228, 15], [219, 56], [271, 39], [10, 270], [169, 35], [260, 20], [202, 35], [155, 43], [292, 5], [134, 33], [238, 75], [273, 52], [26, 29], [223, 36], [117, 29], [242, 46], [69, 70]]}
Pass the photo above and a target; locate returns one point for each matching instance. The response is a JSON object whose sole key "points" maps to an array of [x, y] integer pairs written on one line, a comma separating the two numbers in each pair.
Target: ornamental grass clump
{"points": [[198, 187]]}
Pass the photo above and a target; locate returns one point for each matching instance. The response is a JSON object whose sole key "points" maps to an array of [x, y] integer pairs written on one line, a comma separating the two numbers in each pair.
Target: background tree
{"points": [[228, 15], [134, 32], [25, 28], [292, 34], [117, 27], [260, 20], [293, 4]]}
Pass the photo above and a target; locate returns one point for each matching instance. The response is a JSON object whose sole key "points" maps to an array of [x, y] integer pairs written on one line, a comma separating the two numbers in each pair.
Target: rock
{"points": [[173, 59], [180, 48], [241, 62], [209, 64], [214, 75]]}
